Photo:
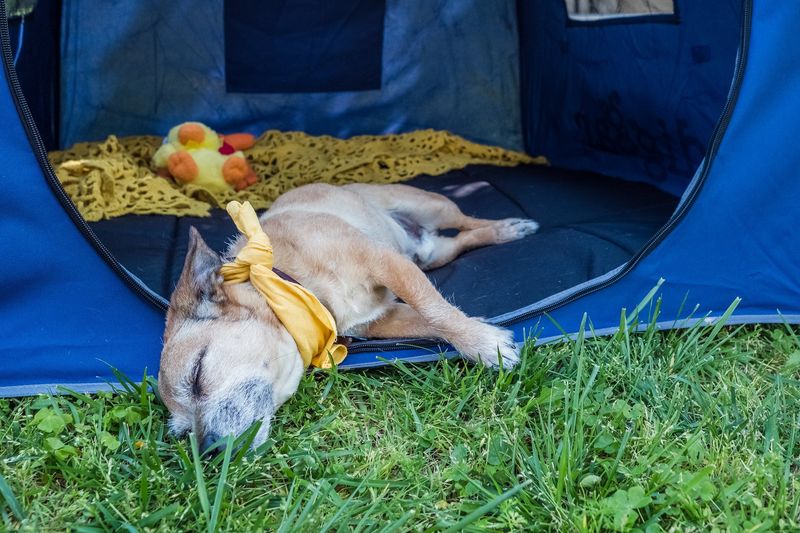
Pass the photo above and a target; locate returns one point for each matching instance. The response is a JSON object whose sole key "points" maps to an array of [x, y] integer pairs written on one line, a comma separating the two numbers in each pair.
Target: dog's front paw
{"points": [[490, 345], [512, 229]]}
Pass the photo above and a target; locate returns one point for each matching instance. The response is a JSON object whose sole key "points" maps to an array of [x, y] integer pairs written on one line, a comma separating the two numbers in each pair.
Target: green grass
{"points": [[692, 429]]}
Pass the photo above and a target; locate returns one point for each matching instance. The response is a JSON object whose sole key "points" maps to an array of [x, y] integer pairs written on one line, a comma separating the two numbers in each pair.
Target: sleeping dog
{"points": [[228, 361]]}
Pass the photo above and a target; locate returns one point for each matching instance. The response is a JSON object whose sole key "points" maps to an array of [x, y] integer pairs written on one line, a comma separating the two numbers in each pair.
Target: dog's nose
{"points": [[208, 440]]}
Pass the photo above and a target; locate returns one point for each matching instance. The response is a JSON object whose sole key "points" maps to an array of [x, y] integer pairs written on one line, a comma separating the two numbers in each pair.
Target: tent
{"points": [[671, 138]]}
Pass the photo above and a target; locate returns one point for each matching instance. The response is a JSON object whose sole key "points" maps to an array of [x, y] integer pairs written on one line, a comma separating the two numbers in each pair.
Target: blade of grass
{"points": [[202, 493], [400, 522], [487, 507], [223, 477], [155, 517], [10, 499]]}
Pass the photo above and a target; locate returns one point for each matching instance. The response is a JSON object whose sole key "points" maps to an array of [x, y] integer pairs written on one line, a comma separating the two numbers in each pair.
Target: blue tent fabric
{"points": [[35, 42], [738, 239], [66, 315], [63, 311], [274, 46], [134, 68], [638, 98]]}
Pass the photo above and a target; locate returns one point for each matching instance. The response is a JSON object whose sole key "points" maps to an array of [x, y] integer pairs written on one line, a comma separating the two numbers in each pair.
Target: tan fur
{"points": [[351, 247]]}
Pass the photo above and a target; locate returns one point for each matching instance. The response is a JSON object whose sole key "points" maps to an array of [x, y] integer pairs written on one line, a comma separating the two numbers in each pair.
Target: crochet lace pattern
{"points": [[113, 178]]}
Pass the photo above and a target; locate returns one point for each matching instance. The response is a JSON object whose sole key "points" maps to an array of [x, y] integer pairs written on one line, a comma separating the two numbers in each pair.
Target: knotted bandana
{"points": [[305, 318]]}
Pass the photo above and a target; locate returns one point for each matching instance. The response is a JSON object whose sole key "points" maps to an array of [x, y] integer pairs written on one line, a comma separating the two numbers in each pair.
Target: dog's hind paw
{"points": [[512, 229], [491, 346]]}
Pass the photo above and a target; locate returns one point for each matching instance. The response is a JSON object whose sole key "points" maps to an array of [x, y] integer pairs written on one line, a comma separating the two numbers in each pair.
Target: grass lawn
{"points": [[693, 429]]}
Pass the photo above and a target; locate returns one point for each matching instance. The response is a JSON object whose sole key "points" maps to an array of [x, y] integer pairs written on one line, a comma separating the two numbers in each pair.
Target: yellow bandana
{"points": [[311, 325]]}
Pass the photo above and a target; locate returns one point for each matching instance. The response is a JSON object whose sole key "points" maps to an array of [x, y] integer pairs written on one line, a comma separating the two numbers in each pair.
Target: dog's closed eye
{"points": [[196, 384]]}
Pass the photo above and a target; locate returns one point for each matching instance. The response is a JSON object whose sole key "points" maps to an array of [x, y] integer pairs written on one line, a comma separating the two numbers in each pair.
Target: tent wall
{"points": [[634, 98], [739, 237], [63, 311], [35, 40], [141, 67]]}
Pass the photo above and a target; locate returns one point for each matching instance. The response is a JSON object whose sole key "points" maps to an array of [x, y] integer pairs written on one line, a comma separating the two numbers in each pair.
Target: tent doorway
{"points": [[623, 146]]}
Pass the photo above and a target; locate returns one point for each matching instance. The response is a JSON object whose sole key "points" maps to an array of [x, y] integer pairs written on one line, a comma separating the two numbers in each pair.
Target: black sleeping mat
{"points": [[590, 224]]}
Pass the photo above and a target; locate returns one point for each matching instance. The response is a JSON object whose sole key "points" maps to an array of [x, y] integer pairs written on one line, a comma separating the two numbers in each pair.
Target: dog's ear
{"points": [[200, 281], [202, 262]]}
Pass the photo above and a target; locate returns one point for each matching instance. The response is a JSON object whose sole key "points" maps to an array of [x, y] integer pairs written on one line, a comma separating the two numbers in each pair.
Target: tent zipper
{"points": [[41, 155]]}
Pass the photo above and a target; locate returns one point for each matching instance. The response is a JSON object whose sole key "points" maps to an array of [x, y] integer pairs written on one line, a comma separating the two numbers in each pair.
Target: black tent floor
{"points": [[590, 224]]}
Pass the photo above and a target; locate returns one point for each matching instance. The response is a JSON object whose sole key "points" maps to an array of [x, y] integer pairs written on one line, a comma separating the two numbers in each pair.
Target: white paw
{"points": [[511, 229], [489, 345]]}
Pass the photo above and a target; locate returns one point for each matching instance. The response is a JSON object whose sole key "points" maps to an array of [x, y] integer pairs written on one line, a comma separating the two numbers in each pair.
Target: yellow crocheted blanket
{"points": [[113, 178]]}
